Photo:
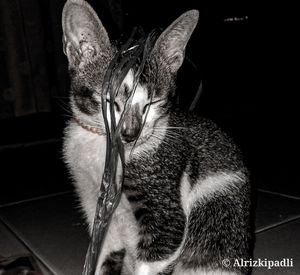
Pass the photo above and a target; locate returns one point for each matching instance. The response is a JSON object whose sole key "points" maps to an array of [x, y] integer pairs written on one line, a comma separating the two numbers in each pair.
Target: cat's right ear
{"points": [[172, 42], [84, 36]]}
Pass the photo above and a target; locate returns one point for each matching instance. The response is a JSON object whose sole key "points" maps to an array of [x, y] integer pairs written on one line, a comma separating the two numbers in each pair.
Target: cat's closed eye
{"points": [[146, 107], [116, 105], [126, 89]]}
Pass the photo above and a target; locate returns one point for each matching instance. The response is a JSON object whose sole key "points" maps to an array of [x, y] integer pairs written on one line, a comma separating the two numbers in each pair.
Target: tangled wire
{"points": [[111, 186]]}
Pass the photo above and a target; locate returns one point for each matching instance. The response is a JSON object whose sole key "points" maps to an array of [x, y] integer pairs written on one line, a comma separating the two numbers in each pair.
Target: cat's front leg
{"points": [[113, 263], [112, 254], [118, 255]]}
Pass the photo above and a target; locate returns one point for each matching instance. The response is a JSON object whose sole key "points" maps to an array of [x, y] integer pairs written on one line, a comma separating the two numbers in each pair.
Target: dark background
{"points": [[240, 78]]}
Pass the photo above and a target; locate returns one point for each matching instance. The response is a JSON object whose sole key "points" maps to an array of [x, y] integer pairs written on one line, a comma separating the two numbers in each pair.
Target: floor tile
{"points": [[276, 244], [11, 246], [273, 209], [53, 229]]}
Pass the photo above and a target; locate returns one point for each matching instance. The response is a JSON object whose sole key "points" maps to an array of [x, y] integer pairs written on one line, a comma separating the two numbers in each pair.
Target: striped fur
{"points": [[185, 205]]}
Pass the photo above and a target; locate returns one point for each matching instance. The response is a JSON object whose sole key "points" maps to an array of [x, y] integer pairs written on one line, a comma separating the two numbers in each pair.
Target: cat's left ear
{"points": [[172, 42], [84, 36]]}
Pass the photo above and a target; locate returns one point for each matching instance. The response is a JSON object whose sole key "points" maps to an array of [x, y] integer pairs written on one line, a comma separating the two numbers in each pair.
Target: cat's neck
{"points": [[140, 148], [89, 128]]}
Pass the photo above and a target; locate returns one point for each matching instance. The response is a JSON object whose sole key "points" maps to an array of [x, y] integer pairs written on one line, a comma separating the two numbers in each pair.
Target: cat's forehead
{"points": [[141, 93], [129, 80]]}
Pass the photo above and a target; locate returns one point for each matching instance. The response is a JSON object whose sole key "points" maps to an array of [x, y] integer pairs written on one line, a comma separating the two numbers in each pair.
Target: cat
{"points": [[185, 205]]}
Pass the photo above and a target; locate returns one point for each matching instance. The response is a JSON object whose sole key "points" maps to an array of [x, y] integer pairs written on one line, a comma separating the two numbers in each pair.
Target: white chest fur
{"points": [[84, 153]]}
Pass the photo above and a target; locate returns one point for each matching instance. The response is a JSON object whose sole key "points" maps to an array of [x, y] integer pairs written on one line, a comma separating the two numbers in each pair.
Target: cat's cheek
{"points": [[149, 116], [117, 116]]}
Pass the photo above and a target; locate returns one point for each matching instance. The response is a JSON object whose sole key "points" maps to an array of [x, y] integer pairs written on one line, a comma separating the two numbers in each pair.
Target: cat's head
{"points": [[89, 52]]}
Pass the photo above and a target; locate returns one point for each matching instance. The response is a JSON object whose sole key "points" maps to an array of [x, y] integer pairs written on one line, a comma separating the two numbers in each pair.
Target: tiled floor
{"points": [[52, 228], [10, 245], [277, 232]]}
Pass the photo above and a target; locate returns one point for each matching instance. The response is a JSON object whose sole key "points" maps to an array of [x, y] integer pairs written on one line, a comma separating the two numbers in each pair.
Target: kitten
{"points": [[185, 202]]}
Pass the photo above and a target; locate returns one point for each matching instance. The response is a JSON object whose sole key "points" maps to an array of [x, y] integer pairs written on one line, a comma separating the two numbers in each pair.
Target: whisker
{"points": [[64, 106], [169, 127], [173, 133], [165, 139], [169, 130], [160, 139], [170, 134], [66, 115]]}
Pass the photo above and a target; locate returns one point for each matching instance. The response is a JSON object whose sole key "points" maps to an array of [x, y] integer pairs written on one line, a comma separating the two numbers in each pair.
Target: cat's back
{"points": [[201, 143]]}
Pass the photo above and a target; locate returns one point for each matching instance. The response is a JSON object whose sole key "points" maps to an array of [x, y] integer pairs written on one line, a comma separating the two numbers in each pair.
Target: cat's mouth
{"points": [[136, 142], [128, 144], [139, 141]]}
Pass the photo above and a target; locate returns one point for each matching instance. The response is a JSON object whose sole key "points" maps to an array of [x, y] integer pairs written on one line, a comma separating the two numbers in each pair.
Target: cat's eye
{"points": [[148, 105], [115, 104], [126, 89]]}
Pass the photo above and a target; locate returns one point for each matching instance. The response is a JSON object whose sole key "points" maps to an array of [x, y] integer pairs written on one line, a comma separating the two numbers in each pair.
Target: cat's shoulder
{"points": [[193, 123], [201, 131]]}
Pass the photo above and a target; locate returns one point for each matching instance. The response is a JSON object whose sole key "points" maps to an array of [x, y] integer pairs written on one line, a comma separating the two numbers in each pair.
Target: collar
{"points": [[91, 129]]}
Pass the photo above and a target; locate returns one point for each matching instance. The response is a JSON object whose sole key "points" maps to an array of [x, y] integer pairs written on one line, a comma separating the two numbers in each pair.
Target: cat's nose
{"points": [[129, 135]]}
